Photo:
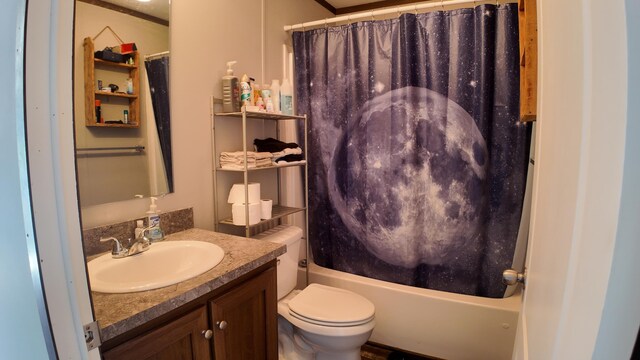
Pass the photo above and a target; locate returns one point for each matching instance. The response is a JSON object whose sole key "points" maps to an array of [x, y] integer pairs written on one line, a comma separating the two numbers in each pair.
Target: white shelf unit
{"points": [[220, 188]]}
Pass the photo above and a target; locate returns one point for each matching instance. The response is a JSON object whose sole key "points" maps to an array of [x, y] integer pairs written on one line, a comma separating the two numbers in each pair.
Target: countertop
{"points": [[119, 313]]}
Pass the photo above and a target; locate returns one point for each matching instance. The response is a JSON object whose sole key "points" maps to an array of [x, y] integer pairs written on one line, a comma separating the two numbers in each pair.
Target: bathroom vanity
{"points": [[228, 312]]}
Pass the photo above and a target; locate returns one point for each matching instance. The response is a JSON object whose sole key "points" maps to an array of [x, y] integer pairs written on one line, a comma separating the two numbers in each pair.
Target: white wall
{"points": [[23, 333], [621, 314], [204, 36]]}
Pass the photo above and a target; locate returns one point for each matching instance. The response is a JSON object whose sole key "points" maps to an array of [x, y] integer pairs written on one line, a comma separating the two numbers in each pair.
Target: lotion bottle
{"points": [[230, 94], [139, 229], [275, 95]]}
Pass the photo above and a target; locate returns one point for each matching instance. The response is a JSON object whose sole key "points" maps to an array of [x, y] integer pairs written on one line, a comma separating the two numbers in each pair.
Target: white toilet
{"points": [[319, 322]]}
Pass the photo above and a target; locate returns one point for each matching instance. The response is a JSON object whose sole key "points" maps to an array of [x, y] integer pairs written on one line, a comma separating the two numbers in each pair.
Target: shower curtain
{"points": [[417, 160], [158, 75]]}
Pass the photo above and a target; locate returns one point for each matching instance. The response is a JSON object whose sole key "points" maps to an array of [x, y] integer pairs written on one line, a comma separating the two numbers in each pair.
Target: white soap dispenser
{"points": [[153, 217]]}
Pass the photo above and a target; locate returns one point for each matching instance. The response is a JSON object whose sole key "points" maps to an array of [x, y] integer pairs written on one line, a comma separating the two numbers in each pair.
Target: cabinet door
{"points": [[180, 339], [245, 320]]}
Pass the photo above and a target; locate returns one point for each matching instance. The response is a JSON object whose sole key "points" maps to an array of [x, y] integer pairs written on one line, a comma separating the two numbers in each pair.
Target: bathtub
{"points": [[429, 322]]}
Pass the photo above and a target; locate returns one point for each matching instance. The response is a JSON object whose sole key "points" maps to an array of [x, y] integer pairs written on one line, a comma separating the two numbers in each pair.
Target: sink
{"points": [[164, 264]]}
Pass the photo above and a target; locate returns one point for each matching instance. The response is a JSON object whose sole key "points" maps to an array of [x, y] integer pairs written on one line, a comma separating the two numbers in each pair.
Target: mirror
{"points": [[118, 159]]}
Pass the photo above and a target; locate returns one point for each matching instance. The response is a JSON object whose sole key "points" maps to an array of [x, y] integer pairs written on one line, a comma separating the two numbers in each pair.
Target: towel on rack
{"points": [[235, 160]]}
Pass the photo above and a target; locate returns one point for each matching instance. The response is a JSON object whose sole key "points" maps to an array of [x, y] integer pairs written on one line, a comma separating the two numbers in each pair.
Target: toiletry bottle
{"points": [[245, 91], [230, 96], [260, 104], [126, 117], [286, 98], [275, 95], [129, 86], [153, 221], [269, 106], [139, 228], [98, 111], [252, 84]]}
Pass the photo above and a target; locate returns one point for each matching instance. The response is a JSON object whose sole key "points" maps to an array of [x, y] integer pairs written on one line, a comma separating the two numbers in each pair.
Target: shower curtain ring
{"points": [[326, 25], [442, 4], [373, 18], [415, 9]]}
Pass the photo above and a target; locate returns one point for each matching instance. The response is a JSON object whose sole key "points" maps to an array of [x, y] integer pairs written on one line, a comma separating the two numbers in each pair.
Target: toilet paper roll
{"points": [[236, 195], [239, 215], [265, 208]]}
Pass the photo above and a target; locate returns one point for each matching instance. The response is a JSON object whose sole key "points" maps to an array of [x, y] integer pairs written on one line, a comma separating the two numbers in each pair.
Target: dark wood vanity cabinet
{"points": [[245, 320], [181, 338], [241, 318]]}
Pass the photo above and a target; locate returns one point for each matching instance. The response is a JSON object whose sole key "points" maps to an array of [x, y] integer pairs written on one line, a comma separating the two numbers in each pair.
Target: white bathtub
{"points": [[429, 322]]}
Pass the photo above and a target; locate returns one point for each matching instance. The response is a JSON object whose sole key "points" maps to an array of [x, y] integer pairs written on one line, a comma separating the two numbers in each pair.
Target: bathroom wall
{"points": [[124, 174], [204, 36]]}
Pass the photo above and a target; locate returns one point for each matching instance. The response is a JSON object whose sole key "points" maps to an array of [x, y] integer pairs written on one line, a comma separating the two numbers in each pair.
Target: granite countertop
{"points": [[119, 313]]}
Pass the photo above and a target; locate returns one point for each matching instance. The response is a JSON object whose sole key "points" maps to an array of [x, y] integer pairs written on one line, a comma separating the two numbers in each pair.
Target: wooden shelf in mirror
{"points": [[91, 91]]}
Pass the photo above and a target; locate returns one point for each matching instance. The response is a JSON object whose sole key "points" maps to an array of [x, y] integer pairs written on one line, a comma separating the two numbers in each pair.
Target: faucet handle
{"points": [[117, 250]]}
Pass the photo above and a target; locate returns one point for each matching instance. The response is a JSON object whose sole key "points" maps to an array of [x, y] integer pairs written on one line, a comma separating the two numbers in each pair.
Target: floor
{"points": [[379, 352]]}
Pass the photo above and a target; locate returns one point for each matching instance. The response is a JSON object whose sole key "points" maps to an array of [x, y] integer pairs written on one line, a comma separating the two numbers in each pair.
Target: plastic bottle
{"points": [[98, 112], [126, 117], [286, 98], [129, 86], [230, 94], [139, 228], [245, 91], [269, 106], [260, 104], [153, 221], [275, 95]]}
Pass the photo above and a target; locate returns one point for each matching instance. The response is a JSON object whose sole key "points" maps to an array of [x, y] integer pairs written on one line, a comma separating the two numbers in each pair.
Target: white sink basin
{"points": [[164, 264]]}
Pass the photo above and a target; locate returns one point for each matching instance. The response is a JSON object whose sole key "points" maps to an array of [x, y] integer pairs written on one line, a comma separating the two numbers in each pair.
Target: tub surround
{"points": [[118, 313], [170, 222]]}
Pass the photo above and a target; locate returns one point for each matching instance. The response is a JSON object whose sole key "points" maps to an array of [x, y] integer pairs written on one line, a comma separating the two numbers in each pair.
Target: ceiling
{"points": [[156, 8], [339, 7], [160, 8]]}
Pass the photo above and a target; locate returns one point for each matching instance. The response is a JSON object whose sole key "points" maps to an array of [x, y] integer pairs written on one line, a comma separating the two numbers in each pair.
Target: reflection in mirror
{"points": [[118, 161]]}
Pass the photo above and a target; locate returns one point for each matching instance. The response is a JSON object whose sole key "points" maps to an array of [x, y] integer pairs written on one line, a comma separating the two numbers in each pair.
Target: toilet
{"points": [[319, 322]]}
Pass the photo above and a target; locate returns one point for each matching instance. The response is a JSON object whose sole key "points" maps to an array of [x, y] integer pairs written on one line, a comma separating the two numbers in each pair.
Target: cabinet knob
{"points": [[221, 324], [208, 334]]}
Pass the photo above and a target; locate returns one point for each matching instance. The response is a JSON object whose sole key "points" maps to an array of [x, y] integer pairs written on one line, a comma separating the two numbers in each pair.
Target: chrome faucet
{"points": [[140, 244]]}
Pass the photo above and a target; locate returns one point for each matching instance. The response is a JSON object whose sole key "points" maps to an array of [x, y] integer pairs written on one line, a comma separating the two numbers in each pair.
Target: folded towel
{"points": [[235, 160], [289, 162], [289, 158], [286, 152]]}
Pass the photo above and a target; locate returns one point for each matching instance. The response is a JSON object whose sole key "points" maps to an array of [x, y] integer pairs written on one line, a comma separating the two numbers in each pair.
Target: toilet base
{"points": [[297, 344]]}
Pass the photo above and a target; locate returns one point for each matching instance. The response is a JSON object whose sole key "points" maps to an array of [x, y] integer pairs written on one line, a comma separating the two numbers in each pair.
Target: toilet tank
{"points": [[288, 262]]}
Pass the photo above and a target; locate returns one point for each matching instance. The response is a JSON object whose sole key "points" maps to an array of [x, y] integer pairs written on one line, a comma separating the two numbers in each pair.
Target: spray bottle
{"points": [[245, 91]]}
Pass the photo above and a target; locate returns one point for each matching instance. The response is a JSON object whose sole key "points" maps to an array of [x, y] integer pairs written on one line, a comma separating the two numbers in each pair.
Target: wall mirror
{"points": [[122, 117]]}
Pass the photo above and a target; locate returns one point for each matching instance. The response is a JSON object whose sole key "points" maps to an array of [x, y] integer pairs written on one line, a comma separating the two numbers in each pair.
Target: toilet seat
{"points": [[329, 306]]}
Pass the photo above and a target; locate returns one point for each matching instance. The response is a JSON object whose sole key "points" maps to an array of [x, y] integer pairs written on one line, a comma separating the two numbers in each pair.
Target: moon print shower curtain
{"points": [[417, 160]]}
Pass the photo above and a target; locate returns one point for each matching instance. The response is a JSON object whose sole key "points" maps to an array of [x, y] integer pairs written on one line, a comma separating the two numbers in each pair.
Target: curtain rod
{"points": [[396, 10], [158, 55]]}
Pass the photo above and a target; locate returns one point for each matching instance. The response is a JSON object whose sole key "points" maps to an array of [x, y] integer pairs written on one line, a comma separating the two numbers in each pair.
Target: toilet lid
{"points": [[325, 305]]}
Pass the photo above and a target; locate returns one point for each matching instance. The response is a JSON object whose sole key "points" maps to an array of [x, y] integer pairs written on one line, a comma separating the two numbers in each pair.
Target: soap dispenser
{"points": [[153, 216], [230, 94]]}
